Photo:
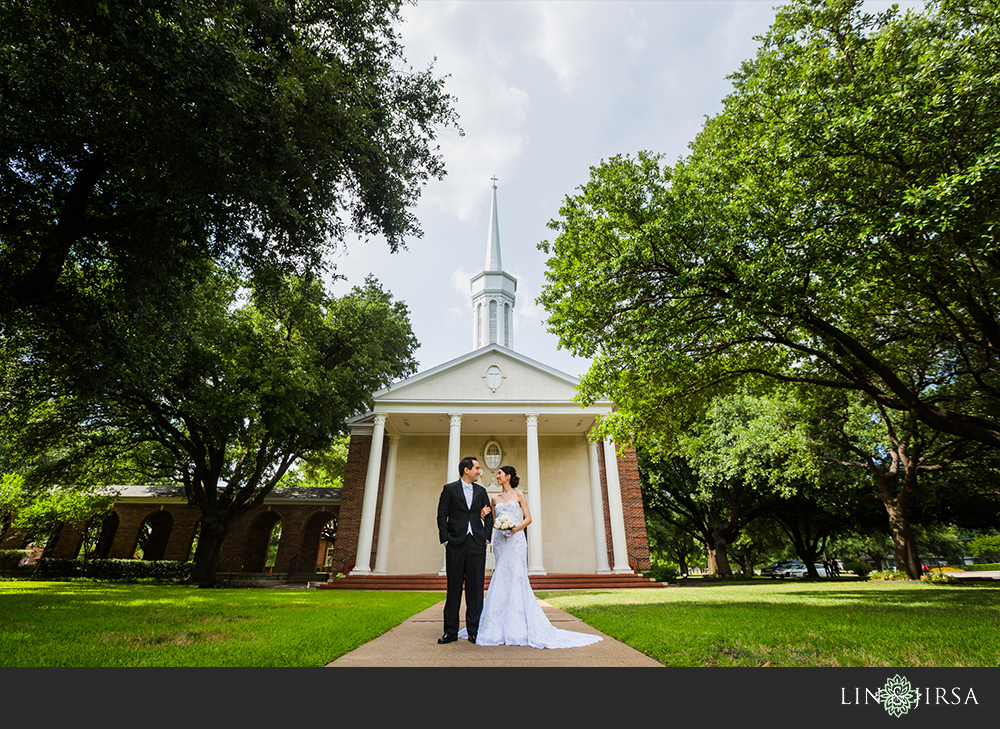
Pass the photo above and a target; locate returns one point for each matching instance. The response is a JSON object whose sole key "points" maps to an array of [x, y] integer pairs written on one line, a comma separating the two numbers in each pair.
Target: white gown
{"points": [[511, 615]]}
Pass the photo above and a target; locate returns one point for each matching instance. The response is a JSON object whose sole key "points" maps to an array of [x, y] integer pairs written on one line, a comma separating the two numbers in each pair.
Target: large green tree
{"points": [[726, 469], [896, 452], [752, 456], [151, 145], [44, 516], [834, 225], [222, 397], [139, 134]]}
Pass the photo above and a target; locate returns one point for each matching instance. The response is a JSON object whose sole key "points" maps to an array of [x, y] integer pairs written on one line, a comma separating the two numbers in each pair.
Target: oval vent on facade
{"points": [[494, 377]]}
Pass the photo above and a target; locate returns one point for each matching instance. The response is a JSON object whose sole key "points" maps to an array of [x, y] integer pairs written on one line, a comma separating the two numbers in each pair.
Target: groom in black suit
{"points": [[465, 523]]}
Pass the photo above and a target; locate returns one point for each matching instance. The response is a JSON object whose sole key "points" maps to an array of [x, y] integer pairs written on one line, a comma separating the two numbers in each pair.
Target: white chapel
{"points": [[502, 408]]}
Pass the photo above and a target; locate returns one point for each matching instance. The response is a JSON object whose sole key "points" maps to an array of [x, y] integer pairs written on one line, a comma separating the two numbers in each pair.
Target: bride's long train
{"points": [[511, 614]]}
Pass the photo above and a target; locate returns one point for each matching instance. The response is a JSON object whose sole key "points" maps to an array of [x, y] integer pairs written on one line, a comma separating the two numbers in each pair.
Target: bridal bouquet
{"points": [[504, 523]]}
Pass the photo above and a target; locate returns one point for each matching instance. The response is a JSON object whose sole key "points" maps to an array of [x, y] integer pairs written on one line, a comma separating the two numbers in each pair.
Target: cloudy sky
{"points": [[545, 90]]}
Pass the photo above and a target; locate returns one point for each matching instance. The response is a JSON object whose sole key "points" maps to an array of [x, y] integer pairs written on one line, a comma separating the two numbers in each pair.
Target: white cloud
{"points": [[456, 314], [577, 40], [460, 282], [472, 48], [545, 90], [526, 311]]}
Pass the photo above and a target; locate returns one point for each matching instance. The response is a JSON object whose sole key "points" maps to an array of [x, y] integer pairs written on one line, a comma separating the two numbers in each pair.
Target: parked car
{"points": [[775, 568], [787, 568], [800, 570]]}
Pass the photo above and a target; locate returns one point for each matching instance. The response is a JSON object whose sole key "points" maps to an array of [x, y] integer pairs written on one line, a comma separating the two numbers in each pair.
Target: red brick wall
{"points": [[351, 499], [636, 541], [635, 517], [259, 530], [186, 518], [240, 553]]}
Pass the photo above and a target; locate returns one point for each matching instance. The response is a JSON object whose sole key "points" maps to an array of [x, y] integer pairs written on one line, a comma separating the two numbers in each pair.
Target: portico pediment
{"points": [[489, 374]]}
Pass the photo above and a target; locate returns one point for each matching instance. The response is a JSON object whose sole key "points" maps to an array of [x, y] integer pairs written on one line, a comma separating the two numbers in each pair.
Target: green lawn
{"points": [[898, 624], [800, 623], [102, 624]]}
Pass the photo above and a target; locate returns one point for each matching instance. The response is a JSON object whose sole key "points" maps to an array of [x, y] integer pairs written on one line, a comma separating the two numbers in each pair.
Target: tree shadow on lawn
{"points": [[897, 599], [701, 582], [918, 596]]}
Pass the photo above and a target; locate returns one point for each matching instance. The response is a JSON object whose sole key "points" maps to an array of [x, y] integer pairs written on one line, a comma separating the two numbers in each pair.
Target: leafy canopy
{"points": [[138, 134], [834, 225]]}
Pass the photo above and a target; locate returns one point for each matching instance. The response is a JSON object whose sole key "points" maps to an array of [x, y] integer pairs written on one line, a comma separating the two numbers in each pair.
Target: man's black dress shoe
{"points": [[472, 638], [447, 638]]}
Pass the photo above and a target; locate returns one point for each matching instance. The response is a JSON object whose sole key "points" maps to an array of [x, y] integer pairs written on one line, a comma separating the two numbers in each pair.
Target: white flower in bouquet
{"points": [[504, 523]]}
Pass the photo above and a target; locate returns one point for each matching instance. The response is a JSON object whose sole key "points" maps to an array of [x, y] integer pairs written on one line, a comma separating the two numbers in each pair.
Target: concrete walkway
{"points": [[414, 644], [981, 575]]}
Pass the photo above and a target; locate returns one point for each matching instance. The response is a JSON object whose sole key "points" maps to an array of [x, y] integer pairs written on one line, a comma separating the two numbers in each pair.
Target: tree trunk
{"points": [[206, 556], [904, 544], [896, 501], [718, 558], [809, 552]]}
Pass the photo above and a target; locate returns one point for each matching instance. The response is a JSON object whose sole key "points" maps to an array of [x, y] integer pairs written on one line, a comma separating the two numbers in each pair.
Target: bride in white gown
{"points": [[511, 615]]}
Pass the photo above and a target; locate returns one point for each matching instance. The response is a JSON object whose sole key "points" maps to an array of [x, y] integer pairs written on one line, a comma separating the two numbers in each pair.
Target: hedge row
{"points": [[980, 567], [113, 569]]}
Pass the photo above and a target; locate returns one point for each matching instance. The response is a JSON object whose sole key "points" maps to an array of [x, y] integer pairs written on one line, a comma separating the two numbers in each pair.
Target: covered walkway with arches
{"points": [[157, 523]]}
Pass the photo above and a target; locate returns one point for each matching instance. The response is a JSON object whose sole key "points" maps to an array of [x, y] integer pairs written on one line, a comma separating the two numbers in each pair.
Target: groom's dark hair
{"points": [[465, 464]]}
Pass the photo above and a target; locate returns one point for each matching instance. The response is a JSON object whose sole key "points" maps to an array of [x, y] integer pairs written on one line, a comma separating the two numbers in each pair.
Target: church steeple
{"points": [[493, 292], [493, 262]]}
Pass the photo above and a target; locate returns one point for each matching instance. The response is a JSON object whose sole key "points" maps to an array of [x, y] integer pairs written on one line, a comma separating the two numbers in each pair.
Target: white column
{"points": [[535, 564], [597, 507], [454, 456], [364, 553], [385, 521], [615, 508], [454, 446]]}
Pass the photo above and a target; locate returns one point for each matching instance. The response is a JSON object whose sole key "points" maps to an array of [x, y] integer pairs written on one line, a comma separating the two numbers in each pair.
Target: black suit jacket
{"points": [[454, 516]]}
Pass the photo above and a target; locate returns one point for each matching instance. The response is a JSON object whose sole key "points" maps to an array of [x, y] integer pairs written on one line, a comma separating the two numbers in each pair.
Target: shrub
{"points": [[54, 569], [861, 569], [124, 570], [980, 567], [10, 559], [664, 572], [728, 578], [136, 569], [938, 578], [987, 546], [887, 575]]}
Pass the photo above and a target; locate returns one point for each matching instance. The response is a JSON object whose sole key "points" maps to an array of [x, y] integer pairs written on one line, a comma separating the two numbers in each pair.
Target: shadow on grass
{"points": [[758, 581]]}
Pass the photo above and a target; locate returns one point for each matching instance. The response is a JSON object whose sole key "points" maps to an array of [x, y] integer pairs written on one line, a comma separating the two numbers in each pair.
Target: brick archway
{"points": [[258, 539], [109, 527], [308, 557], [161, 523], [178, 522]]}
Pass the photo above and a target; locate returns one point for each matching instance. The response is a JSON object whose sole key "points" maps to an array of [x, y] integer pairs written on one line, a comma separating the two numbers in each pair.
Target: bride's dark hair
{"points": [[512, 472]]}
